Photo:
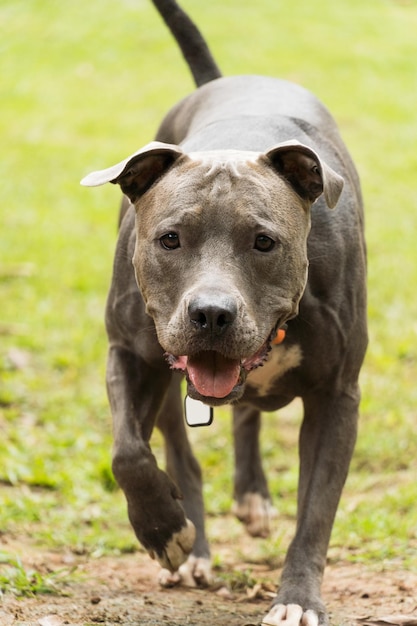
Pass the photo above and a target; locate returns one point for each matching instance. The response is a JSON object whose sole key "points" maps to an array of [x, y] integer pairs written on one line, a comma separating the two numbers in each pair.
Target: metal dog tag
{"points": [[197, 413]]}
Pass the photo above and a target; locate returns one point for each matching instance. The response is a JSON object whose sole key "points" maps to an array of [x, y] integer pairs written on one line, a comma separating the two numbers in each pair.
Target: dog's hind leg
{"points": [[251, 494], [184, 470]]}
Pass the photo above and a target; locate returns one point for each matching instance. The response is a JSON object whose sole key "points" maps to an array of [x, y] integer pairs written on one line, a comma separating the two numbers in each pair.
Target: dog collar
{"points": [[279, 337]]}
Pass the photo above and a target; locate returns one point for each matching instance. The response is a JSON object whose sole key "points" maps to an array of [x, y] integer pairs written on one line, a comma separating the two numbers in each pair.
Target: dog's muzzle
{"points": [[215, 378]]}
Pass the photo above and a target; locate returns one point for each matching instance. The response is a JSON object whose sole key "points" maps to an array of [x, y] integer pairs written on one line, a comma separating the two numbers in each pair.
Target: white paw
{"points": [[167, 578], [194, 572], [255, 512], [178, 548], [290, 615]]}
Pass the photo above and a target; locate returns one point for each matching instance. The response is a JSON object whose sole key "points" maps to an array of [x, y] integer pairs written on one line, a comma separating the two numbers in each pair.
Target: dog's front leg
{"points": [[136, 392], [327, 441], [183, 468]]}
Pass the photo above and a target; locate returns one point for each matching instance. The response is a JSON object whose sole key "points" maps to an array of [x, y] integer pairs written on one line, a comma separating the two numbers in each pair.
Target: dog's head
{"points": [[221, 251]]}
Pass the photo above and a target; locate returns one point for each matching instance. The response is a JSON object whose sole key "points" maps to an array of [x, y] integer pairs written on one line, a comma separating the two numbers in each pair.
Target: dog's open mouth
{"points": [[210, 374]]}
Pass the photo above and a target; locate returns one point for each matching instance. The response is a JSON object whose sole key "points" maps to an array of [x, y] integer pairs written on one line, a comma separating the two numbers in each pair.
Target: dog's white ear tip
{"points": [[84, 182], [93, 180]]}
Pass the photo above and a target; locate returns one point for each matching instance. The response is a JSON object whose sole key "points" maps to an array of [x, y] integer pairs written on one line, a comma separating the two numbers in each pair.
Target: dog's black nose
{"points": [[212, 314]]}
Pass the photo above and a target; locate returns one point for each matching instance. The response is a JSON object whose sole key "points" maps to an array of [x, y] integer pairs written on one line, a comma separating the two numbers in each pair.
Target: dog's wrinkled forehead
{"points": [[228, 181], [214, 174]]}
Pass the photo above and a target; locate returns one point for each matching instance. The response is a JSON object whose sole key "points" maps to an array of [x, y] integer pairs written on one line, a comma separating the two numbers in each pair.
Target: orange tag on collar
{"points": [[279, 337]]}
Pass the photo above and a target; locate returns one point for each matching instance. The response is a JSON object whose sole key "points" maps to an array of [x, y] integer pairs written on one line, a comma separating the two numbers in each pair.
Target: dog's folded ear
{"points": [[139, 171], [306, 172]]}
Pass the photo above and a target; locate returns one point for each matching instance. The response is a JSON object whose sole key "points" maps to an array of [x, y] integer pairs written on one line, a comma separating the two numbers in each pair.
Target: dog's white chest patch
{"points": [[280, 360]]}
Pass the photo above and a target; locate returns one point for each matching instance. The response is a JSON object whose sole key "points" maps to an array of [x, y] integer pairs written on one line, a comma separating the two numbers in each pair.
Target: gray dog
{"points": [[238, 263]]}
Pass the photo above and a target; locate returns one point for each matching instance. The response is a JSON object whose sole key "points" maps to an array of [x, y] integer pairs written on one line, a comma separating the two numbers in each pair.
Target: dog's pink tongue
{"points": [[212, 374]]}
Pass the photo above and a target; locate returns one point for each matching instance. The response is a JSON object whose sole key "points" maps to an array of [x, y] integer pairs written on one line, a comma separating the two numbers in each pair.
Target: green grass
{"points": [[83, 85], [22, 582]]}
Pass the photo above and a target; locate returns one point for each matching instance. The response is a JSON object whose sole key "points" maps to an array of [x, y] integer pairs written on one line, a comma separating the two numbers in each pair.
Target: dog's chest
{"points": [[280, 360]]}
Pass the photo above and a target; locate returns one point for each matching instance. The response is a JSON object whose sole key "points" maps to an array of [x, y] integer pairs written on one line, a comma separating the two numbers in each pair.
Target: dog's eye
{"points": [[263, 243], [170, 241]]}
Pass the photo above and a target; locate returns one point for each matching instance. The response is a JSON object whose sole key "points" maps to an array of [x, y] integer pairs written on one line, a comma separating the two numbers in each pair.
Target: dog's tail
{"points": [[191, 42]]}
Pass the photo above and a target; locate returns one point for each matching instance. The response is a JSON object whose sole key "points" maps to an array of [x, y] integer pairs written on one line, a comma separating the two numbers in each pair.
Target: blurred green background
{"points": [[82, 86]]}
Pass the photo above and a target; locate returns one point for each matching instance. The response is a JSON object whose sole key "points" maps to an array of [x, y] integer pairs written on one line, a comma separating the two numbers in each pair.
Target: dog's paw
{"points": [[195, 572], [177, 549], [255, 512], [290, 615]]}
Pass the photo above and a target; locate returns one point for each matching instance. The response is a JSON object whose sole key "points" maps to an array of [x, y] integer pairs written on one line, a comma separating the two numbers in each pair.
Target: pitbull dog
{"points": [[238, 262]]}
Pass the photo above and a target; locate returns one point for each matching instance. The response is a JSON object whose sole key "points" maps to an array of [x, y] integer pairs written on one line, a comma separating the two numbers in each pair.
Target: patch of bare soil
{"points": [[124, 590]]}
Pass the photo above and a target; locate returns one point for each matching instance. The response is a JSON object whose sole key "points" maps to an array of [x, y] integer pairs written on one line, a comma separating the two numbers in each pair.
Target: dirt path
{"points": [[124, 590]]}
